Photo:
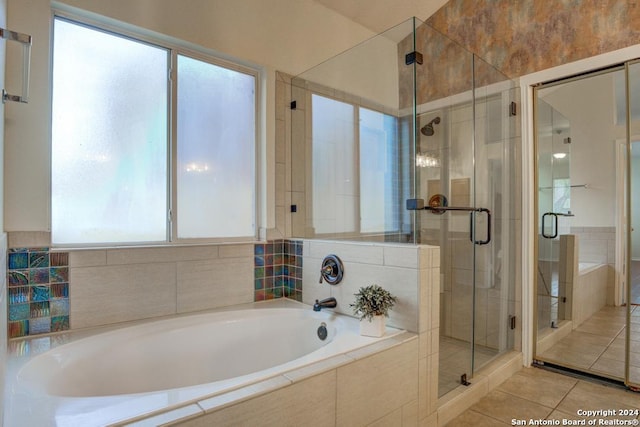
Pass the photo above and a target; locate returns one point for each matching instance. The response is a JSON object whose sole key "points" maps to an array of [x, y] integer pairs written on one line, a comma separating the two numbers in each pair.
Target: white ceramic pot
{"points": [[374, 327]]}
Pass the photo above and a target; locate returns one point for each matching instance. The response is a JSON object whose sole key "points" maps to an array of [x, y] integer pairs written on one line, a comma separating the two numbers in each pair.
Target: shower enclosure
{"points": [[588, 281], [409, 138]]}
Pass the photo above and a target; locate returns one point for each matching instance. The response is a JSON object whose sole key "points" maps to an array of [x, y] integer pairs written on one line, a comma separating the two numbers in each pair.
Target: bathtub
{"points": [[122, 374]]}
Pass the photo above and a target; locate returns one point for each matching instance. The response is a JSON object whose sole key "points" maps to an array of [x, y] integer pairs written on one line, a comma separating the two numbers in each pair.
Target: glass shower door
{"points": [[466, 169], [554, 190], [632, 206], [496, 150]]}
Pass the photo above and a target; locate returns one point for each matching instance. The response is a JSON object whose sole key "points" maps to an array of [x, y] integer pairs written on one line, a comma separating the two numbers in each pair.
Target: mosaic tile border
{"points": [[278, 270], [37, 291]]}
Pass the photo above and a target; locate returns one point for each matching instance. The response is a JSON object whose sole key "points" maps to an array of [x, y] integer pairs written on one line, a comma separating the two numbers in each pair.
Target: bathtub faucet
{"points": [[325, 303]]}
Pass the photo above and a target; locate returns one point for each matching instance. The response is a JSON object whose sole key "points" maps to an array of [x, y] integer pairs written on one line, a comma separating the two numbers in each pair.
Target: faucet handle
{"points": [[331, 270]]}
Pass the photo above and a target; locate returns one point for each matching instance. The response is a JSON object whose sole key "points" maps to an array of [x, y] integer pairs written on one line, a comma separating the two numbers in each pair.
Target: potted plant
{"points": [[372, 305]]}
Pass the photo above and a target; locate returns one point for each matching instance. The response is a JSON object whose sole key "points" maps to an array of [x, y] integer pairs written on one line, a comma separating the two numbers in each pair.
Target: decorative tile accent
{"points": [[278, 270], [59, 323], [18, 260], [38, 291]]}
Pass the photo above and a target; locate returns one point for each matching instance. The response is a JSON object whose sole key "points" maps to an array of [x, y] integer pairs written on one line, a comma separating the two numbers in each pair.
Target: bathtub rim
{"points": [[220, 398], [589, 267]]}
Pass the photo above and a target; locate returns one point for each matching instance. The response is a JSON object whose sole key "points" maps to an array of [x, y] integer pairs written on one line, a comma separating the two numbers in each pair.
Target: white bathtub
{"points": [[125, 373]]}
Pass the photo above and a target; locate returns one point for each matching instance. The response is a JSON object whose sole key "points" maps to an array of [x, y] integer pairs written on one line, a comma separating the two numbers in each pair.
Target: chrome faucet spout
{"points": [[325, 303]]}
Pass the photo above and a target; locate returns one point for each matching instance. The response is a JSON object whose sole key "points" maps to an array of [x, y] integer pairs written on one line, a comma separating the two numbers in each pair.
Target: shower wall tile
{"points": [[31, 274]]}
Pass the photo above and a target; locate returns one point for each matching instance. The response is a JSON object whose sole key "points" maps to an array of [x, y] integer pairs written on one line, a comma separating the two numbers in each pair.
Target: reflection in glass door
{"points": [[586, 316], [632, 367]]}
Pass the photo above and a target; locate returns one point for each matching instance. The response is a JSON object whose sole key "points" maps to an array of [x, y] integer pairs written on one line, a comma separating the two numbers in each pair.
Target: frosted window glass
{"points": [[335, 204], [378, 153], [109, 138], [216, 151]]}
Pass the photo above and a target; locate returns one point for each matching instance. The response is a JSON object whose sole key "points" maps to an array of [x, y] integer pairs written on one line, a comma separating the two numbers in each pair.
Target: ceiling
{"points": [[380, 15]]}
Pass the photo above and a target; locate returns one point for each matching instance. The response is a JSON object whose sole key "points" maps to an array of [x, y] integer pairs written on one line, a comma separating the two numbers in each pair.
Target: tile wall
{"points": [[278, 270], [38, 291], [38, 280]]}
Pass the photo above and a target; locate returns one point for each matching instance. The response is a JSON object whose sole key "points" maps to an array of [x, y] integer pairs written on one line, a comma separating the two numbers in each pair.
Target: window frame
{"points": [[174, 48]]}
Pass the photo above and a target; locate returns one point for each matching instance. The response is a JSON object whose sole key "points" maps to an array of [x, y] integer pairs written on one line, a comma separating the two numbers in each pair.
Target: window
{"points": [[119, 175], [354, 190]]}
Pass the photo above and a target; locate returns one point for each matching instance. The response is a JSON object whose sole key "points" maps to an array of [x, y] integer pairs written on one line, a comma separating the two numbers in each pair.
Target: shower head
{"points": [[427, 129]]}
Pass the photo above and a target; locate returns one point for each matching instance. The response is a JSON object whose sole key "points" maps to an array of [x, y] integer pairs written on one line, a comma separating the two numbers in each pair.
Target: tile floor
{"points": [[598, 345], [538, 394]]}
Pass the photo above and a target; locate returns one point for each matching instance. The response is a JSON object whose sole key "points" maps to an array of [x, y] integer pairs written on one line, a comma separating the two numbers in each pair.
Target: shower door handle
{"points": [[555, 225], [472, 226], [418, 204]]}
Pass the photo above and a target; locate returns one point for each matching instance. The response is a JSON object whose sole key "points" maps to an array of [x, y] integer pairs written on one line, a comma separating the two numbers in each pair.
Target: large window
{"points": [[119, 173]]}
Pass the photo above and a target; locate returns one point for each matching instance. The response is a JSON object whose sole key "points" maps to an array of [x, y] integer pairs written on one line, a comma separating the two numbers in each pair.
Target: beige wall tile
{"points": [[87, 258], [410, 414], [307, 403], [393, 419], [352, 252], [363, 397], [28, 239], [430, 421], [104, 295], [214, 283], [401, 256], [461, 399], [423, 388], [236, 251], [401, 282], [160, 254]]}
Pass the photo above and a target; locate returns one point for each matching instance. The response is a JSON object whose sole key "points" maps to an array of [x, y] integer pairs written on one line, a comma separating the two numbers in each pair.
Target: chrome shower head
{"points": [[427, 129]]}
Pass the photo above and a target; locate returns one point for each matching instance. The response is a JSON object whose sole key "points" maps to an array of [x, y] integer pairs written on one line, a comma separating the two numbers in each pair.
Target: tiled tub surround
{"points": [[111, 286], [51, 291], [38, 291], [355, 386]]}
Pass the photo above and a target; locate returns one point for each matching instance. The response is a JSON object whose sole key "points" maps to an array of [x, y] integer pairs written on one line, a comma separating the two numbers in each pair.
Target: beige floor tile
{"points": [[529, 384], [575, 359], [586, 396], [607, 329], [586, 338], [615, 352], [579, 347], [505, 407], [499, 408], [634, 376], [608, 367], [472, 418]]}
